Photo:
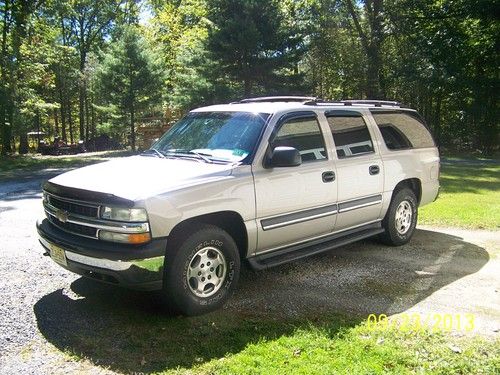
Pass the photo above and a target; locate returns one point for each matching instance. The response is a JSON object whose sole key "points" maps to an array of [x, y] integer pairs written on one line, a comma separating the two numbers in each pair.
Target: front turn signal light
{"points": [[133, 238]]}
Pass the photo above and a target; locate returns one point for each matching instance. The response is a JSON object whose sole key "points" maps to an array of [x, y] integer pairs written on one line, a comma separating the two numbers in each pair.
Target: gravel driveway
{"points": [[45, 310]]}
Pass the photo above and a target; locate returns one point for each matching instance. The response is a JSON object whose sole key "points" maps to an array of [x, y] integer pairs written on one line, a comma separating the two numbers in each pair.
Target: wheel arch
{"points": [[229, 221], [414, 184]]}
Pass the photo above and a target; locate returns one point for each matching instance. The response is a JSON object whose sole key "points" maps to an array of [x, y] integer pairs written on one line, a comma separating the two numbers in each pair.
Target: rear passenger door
{"points": [[359, 169]]}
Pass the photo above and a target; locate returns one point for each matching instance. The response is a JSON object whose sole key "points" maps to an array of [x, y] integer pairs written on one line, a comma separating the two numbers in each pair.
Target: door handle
{"points": [[374, 169], [328, 176]]}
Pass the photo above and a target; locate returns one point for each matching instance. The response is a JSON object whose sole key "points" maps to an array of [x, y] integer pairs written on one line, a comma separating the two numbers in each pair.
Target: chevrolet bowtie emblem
{"points": [[62, 216]]}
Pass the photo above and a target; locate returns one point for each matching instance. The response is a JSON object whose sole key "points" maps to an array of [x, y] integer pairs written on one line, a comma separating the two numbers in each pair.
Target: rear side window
{"points": [[350, 133], [402, 130], [303, 134]]}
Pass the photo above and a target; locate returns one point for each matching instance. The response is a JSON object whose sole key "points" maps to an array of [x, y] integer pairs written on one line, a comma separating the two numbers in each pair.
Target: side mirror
{"points": [[284, 157]]}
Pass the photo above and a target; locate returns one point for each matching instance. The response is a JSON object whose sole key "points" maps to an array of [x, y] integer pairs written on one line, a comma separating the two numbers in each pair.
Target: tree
{"points": [[335, 63], [447, 67], [180, 31], [87, 23], [131, 77], [371, 34], [251, 42], [24, 83], [4, 85]]}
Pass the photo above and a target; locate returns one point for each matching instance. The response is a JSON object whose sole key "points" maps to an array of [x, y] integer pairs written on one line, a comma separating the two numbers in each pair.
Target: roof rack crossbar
{"points": [[317, 101], [376, 103], [278, 99]]}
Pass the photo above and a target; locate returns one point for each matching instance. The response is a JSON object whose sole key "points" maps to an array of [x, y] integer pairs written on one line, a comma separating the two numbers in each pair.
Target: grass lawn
{"points": [[358, 350], [218, 344], [469, 197]]}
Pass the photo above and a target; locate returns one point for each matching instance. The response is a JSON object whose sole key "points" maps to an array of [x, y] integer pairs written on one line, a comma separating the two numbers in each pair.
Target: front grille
{"points": [[73, 208], [73, 228]]}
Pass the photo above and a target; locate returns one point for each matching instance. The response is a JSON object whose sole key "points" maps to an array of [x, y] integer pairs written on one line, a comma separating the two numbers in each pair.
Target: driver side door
{"points": [[294, 204]]}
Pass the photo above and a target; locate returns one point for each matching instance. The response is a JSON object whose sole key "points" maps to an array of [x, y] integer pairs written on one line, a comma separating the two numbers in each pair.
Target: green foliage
{"points": [[336, 69], [438, 56], [131, 77], [254, 45], [448, 69], [197, 82], [180, 30]]}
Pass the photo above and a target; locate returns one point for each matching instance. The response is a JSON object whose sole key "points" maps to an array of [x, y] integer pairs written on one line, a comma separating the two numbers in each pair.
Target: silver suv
{"points": [[267, 180]]}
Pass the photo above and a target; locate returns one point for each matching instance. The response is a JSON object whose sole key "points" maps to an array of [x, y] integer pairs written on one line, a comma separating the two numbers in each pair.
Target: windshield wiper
{"points": [[189, 153], [153, 152]]}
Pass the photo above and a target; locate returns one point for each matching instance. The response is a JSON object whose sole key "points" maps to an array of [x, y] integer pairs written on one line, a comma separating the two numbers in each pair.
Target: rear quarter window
{"points": [[403, 130]]}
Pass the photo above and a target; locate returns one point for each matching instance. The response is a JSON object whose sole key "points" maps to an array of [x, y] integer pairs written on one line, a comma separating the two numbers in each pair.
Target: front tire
{"points": [[202, 269], [401, 218]]}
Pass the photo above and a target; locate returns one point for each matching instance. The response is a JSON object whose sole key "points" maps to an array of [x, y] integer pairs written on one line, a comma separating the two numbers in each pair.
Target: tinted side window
{"points": [[350, 133], [401, 130], [303, 134]]}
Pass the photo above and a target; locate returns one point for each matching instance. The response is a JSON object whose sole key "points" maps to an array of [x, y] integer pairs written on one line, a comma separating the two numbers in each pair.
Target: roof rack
{"points": [[311, 100], [277, 99], [375, 103]]}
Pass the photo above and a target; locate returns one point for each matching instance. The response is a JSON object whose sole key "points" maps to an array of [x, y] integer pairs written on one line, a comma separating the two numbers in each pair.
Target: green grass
{"points": [[469, 197], [358, 350], [221, 344], [13, 166]]}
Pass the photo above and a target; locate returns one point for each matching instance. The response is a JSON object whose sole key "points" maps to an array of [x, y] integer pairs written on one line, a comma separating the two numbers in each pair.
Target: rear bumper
{"points": [[135, 267]]}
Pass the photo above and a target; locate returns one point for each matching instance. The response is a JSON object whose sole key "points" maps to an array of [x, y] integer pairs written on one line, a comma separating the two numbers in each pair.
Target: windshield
{"points": [[216, 136]]}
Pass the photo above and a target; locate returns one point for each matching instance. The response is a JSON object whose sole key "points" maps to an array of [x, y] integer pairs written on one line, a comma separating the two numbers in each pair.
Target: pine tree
{"points": [[130, 77], [254, 46]]}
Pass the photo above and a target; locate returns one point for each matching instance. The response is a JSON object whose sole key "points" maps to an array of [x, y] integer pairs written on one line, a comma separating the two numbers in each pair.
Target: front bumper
{"points": [[132, 266]]}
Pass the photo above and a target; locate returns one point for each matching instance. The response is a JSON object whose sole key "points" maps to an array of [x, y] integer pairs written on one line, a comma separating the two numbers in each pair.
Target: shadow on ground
{"points": [[129, 332]]}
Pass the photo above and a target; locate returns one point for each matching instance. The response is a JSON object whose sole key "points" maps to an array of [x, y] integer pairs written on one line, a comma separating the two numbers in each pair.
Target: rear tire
{"points": [[202, 269], [401, 218]]}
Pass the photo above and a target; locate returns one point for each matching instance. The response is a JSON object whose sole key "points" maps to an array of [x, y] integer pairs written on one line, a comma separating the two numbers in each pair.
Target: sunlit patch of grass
{"points": [[221, 343], [325, 349], [469, 197]]}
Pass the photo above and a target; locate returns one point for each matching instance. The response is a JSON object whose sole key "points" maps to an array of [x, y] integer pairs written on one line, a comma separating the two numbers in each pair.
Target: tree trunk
{"points": [[247, 87], [132, 127], [371, 40], [81, 102], [373, 73], [70, 119], [92, 121], [23, 137], [4, 125], [56, 122], [23, 143], [63, 115], [82, 88], [87, 117], [437, 118]]}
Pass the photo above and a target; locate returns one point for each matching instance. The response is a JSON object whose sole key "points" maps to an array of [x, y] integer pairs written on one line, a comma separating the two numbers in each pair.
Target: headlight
{"points": [[124, 214]]}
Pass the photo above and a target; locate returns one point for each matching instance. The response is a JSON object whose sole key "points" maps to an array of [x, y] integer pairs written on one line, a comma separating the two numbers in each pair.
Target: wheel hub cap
{"points": [[403, 217], [206, 271]]}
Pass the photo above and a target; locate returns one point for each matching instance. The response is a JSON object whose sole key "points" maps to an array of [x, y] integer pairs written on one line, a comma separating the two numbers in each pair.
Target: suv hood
{"points": [[138, 177]]}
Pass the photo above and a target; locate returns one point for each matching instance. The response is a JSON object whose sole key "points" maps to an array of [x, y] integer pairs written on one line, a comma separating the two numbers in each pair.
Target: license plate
{"points": [[58, 255]]}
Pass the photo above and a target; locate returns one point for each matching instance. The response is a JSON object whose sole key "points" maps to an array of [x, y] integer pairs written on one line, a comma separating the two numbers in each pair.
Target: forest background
{"points": [[78, 69]]}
